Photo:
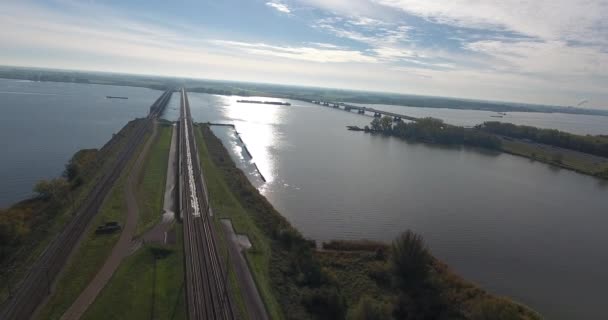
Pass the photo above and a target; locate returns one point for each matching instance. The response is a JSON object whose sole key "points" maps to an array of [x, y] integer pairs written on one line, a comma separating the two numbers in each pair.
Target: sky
{"points": [[534, 51]]}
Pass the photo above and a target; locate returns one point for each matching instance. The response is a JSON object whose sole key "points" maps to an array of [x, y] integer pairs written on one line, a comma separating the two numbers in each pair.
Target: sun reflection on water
{"points": [[257, 127]]}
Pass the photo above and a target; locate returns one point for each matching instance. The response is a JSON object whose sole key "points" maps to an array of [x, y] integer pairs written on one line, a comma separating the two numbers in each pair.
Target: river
{"points": [[518, 228], [44, 123]]}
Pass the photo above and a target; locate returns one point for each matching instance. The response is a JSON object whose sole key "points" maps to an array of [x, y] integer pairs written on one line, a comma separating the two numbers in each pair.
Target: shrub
{"points": [[410, 260], [325, 303], [370, 309]]}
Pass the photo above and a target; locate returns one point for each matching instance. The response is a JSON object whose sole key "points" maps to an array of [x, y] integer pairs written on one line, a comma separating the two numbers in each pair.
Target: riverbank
{"points": [[524, 141], [345, 284], [93, 251], [30, 225]]}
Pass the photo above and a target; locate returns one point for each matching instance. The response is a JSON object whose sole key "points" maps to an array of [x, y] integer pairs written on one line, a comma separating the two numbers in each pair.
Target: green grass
{"points": [[145, 287], [151, 187], [226, 205], [91, 253], [569, 160]]}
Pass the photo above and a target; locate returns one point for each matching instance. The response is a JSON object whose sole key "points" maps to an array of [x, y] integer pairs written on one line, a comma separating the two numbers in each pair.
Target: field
{"points": [[151, 187], [148, 285]]}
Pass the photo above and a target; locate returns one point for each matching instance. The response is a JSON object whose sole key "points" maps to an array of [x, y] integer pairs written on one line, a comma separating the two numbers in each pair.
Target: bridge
{"points": [[206, 277], [36, 284], [363, 110]]}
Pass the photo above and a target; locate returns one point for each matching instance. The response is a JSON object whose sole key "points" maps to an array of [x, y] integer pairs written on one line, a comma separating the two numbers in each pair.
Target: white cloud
{"points": [[540, 58], [541, 70], [312, 54], [279, 6], [574, 20]]}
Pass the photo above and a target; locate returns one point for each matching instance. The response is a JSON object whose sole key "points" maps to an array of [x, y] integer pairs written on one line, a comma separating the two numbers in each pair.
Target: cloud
{"points": [[278, 6], [321, 54], [567, 20], [540, 58], [357, 49]]}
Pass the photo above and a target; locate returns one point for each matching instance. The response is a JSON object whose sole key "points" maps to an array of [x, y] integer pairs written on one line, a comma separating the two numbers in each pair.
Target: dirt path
{"points": [[122, 247]]}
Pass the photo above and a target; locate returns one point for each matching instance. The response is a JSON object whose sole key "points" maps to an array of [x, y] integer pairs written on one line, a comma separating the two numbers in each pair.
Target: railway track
{"points": [[36, 284], [206, 277]]}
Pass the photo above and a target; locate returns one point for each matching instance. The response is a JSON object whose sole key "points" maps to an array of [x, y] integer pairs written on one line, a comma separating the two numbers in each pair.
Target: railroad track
{"points": [[36, 284], [206, 277]]}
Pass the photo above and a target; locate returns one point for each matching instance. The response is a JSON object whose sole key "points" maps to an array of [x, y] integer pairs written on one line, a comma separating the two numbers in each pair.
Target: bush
{"points": [[410, 260], [370, 309], [495, 309], [325, 303]]}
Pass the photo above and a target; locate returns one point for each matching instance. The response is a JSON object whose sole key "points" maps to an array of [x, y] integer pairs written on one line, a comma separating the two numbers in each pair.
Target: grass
{"points": [[569, 160], [92, 252], [51, 224], [226, 205], [148, 285], [151, 186]]}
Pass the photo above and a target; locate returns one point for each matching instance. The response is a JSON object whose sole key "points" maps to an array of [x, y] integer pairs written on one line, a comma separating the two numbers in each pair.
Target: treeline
{"points": [[433, 130], [596, 145], [223, 92]]}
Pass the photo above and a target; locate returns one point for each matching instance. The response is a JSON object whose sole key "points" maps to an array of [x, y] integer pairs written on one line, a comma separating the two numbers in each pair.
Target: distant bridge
{"points": [[362, 110]]}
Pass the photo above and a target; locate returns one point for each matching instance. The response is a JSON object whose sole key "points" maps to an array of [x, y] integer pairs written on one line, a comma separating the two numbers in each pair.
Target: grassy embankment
{"points": [[226, 205], [586, 154], [356, 274], [576, 161], [151, 186], [28, 226], [148, 285], [92, 251]]}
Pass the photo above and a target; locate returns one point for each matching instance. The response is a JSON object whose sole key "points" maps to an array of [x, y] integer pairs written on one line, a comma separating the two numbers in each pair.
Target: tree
{"points": [[410, 260], [55, 189], [386, 124], [376, 125]]}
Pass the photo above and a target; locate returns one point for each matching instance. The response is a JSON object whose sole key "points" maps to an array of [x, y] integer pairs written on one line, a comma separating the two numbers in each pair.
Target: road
{"points": [[206, 277]]}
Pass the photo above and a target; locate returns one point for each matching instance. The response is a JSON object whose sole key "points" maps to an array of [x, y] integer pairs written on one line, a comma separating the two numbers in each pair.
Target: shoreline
{"points": [[465, 294]]}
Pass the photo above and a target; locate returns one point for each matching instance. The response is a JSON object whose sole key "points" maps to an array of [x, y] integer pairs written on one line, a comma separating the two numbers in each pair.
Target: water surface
{"points": [[515, 227], [44, 123]]}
